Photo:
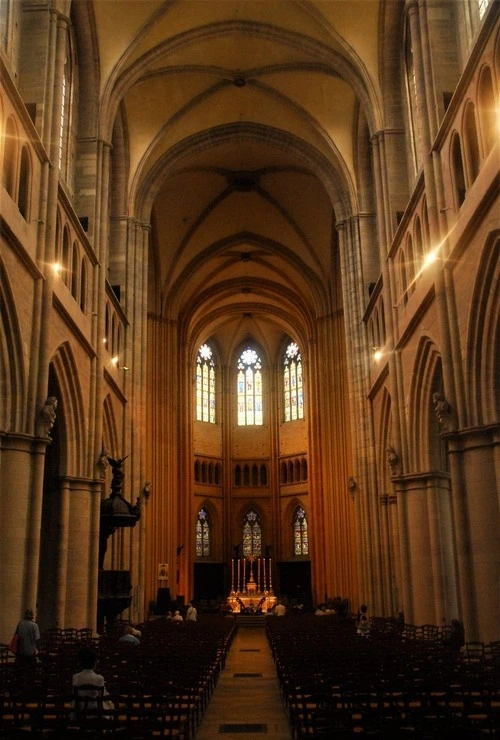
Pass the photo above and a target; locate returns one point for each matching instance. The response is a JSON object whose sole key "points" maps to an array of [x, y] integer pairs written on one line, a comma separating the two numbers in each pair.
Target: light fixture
{"points": [[429, 258], [115, 360], [104, 340], [377, 354], [56, 267]]}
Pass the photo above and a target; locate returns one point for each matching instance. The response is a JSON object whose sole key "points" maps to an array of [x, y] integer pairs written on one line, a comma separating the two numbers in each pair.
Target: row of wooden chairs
{"points": [[337, 684], [160, 688]]}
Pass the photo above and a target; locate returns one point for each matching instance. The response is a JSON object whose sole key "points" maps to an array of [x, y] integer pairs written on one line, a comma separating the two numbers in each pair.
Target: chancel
{"points": [[254, 248]]}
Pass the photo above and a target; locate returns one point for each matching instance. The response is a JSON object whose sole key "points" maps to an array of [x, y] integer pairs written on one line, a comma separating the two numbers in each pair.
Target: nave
{"points": [[246, 702]]}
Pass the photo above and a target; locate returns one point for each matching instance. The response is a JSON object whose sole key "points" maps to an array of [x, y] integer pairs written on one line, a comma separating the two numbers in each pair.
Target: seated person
{"points": [[130, 636], [88, 685], [177, 617]]}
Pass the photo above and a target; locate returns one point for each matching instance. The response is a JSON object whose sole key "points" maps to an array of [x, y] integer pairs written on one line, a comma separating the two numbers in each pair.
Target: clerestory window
{"points": [[292, 383], [249, 388], [205, 385]]}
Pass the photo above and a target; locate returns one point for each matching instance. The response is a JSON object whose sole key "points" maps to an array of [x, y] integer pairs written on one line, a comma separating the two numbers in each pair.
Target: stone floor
{"points": [[246, 704]]}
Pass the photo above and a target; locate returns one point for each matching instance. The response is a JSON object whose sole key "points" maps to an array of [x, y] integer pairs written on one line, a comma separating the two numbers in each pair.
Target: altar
{"points": [[251, 586]]}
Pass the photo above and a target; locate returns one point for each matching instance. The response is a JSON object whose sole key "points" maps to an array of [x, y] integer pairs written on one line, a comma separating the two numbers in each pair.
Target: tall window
{"points": [[249, 388], [252, 536], [205, 385], [411, 92], [482, 6], [300, 537], [203, 534], [292, 383]]}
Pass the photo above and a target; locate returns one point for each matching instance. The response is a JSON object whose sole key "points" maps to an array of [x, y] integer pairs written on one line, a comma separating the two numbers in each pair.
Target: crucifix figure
{"points": [[251, 560]]}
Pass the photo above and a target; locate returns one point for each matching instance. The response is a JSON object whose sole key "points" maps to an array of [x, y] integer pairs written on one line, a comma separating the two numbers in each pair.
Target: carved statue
{"points": [[442, 409], [351, 486], [103, 463], [118, 474], [146, 491], [48, 415], [392, 458]]}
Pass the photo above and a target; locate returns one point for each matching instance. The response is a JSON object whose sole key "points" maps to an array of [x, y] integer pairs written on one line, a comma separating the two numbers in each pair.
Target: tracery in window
{"points": [[249, 388], [205, 385], [252, 535], [203, 534], [292, 383], [300, 535]]}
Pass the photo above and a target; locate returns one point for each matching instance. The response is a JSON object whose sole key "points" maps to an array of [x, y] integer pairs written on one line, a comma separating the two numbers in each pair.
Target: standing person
{"points": [[456, 639], [280, 609], [191, 613], [363, 623], [29, 636]]}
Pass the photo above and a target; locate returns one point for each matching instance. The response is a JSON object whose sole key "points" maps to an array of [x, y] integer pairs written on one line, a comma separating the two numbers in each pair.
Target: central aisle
{"points": [[246, 703]]}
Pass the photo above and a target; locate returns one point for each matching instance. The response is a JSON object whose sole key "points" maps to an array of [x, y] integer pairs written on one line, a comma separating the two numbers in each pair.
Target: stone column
{"points": [[21, 457], [82, 562], [473, 454]]}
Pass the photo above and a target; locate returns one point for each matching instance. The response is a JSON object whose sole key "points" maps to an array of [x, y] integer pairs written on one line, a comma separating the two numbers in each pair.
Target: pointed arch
{"points": [[203, 533], [249, 386], [385, 441], [206, 384], [74, 439], [293, 388], [24, 190], [295, 529], [483, 355], [110, 427], [252, 530], [10, 157], [12, 370], [424, 453]]}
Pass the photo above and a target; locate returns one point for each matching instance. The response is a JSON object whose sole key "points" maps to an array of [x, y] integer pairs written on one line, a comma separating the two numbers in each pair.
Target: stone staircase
{"points": [[251, 620]]}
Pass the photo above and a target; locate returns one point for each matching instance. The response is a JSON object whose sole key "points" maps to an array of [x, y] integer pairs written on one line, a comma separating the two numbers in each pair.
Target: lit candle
{"points": [[243, 568], [270, 576], [264, 573], [258, 574], [238, 585], [232, 574]]}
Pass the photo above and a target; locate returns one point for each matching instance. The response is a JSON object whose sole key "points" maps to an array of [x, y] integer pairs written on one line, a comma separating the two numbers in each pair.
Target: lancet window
{"points": [[205, 385], [300, 534], [203, 534], [249, 388], [252, 535], [292, 383]]}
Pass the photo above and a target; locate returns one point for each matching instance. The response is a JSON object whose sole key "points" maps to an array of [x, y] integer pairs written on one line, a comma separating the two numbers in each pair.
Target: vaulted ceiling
{"points": [[242, 121]]}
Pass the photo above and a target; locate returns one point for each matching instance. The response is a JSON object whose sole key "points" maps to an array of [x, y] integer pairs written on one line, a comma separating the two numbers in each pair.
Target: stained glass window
{"points": [[482, 6], [203, 534], [205, 385], [292, 383], [249, 388], [252, 536], [300, 538]]}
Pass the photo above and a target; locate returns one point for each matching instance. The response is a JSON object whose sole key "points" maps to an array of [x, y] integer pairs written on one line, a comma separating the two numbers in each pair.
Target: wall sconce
{"points": [[114, 361], [377, 354], [429, 258], [56, 268]]}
